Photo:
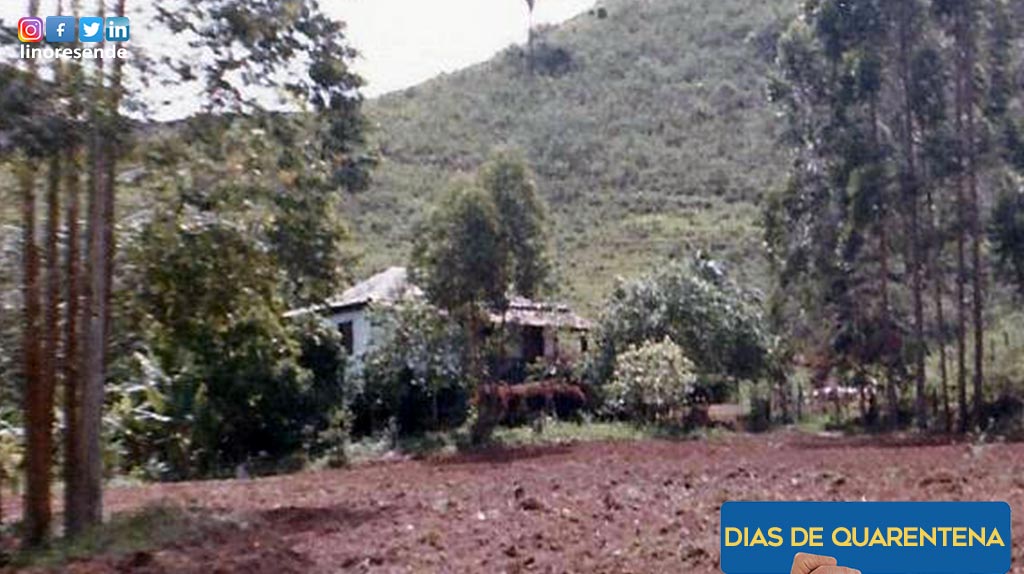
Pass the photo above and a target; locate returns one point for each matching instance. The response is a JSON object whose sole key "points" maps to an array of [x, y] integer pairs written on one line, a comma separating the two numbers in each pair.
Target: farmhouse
{"points": [[535, 329], [350, 311]]}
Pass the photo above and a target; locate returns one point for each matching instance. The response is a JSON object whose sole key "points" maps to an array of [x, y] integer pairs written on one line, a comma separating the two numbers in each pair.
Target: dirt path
{"points": [[596, 508]]}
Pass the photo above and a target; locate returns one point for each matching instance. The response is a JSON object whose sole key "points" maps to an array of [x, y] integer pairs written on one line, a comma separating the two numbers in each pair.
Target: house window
{"points": [[346, 335], [533, 343]]}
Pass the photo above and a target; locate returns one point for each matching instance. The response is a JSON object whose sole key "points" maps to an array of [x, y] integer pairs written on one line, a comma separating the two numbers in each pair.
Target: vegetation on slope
{"points": [[647, 124]]}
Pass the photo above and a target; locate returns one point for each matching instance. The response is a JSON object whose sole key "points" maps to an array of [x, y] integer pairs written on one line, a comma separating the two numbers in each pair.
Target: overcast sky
{"points": [[407, 41], [404, 42]]}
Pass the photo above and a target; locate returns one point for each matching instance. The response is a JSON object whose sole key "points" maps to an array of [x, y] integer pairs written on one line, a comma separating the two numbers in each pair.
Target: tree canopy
{"points": [[717, 324]]}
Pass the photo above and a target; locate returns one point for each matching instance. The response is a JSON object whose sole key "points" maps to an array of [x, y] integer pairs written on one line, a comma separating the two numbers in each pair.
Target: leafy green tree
{"points": [[259, 47], [886, 107], [523, 221], [478, 246], [462, 260], [254, 171], [1003, 108], [484, 242], [716, 324], [980, 36], [461, 257], [828, 230], [237, 380], [263, 186]]}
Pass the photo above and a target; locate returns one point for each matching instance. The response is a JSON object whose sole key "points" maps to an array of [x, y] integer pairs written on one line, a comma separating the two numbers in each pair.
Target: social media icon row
{"points": [[62, 29]]}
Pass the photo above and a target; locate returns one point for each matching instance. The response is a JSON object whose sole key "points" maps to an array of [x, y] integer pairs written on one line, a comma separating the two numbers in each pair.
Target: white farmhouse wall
{"points": [[361, 327]]}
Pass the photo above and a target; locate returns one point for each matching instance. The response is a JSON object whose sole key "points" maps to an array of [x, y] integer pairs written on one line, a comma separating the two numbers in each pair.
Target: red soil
{"points": [[596, 508]]}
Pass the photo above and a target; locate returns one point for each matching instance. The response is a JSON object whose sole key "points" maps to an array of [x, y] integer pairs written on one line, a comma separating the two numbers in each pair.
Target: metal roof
{"points": [[392, 285], [527, 313], [388, 286]]}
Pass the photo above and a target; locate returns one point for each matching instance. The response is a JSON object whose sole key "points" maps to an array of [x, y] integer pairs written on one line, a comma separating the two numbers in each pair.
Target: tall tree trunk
{"points": [[975, 213], [55, 362], [909, 183], [73, 296], [51, 322], [87, 461], [961, 237], [113, 149], [38, 451], [87, 502], [72, 358], [38, 448], [940, 319], [529, 37], [883, 248]]}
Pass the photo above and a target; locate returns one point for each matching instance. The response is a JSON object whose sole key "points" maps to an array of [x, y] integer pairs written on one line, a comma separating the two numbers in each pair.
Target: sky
{"points": [[404, 42]]}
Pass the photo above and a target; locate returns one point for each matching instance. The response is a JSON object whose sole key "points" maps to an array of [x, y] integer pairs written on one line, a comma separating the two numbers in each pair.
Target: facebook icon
{"points": [[60, 29], [118, 29]]}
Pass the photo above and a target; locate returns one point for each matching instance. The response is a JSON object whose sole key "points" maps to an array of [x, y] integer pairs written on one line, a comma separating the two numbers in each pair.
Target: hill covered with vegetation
{"points": [[646, 122]]}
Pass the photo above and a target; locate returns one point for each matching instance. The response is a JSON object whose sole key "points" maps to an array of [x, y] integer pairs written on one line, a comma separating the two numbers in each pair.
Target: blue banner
{"points": [[873, 537]]}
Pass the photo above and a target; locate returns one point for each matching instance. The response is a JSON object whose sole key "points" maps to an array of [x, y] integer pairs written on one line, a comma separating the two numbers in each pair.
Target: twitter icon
{"points": [[90, 29]]}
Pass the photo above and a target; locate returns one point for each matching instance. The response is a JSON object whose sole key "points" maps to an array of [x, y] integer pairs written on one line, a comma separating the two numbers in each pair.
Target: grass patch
{"points": [[139, 531], [813, 423], [559, 432], [381, 447], [554, 433]]}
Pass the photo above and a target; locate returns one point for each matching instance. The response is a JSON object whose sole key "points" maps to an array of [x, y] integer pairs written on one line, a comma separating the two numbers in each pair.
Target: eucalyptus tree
{"points": [[523, 220], [247, 49], [930, 76], [462, 260], [35, 116], [888, 105], [983, 52], [38, 395], [461, 257], [832, 228], [907, 17]]}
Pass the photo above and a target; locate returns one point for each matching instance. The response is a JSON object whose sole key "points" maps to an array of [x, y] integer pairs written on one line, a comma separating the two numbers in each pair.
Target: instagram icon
{"points": [[30, 30]]}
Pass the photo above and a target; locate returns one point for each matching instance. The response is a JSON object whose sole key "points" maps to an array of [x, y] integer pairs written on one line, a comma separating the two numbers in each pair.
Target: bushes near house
{"points": [[653, 382], [716, 323], [233, 407], [413, 379], [213, 375]]}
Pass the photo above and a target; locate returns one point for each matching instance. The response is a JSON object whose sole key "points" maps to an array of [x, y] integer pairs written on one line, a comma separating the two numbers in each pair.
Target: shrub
{"points": [[1005, 415], [652, 381], [277, 391], [210, 374], [413, 378], [551, 60]]}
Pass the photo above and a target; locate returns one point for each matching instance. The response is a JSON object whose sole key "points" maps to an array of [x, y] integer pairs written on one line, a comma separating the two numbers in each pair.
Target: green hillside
{"points": [[646, 122]]}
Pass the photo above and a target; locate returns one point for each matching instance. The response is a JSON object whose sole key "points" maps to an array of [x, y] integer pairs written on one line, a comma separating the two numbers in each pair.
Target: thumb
{"points": [[806, 563], [834, 570]]}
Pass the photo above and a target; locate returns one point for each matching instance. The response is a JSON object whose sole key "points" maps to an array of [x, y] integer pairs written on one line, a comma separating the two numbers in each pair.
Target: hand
{"points": [[813, 564]]}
